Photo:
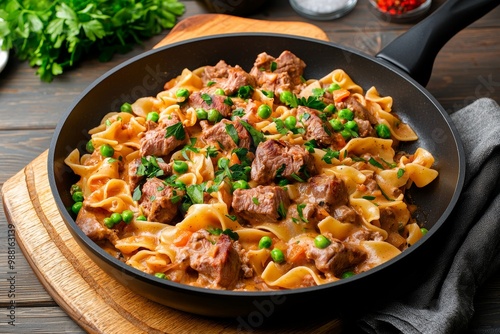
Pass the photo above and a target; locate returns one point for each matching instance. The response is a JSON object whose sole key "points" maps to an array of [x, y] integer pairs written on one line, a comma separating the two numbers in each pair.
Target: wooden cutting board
{"points": [[87, 294]]}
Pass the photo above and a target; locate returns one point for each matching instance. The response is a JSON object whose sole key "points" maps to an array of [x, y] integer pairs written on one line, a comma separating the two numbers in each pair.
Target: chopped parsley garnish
{"points": [[370, 198], [244, 92], [273, 66], [207, 98], [310, 145], [231, 131], [401, 172], [300, 210], [257, 136], [177, 131], [195, 193], [230, 233], [330, 154], [282, 210], [375, 163], [255, 200], [149, 167]]}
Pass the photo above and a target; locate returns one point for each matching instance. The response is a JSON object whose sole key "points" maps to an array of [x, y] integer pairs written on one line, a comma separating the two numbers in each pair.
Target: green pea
{"points": [[180, 166], [160, 275], [277, 255], [141, 218], [424, 230], [201, 113], [346, 114], [348, 274], [75, 188], [127, 216], [351, 125], [182, 93], [220, 91], [329, 108], [126, 107], [240, 184], [89, 147], [153, 116], [214, 115], [116, 217], [346, 134], [321, 241], [106, 150], [108, 222], [222, 163], [290, 122], [286, 96], [383, 131], [76, 207], [333, 86], [264, 111], [77, 196], [336, 124], [265, 242]]}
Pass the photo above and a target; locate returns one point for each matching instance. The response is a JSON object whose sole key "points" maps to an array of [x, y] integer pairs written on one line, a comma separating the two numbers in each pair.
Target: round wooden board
{"points": [[88, 295]]}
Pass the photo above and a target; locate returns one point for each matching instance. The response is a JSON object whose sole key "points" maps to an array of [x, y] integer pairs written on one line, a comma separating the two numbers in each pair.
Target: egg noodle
{"points": [[251, 181]]}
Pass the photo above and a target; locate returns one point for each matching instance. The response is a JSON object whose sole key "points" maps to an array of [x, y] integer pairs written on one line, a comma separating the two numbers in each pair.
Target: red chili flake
{"points": [[398, 7]]}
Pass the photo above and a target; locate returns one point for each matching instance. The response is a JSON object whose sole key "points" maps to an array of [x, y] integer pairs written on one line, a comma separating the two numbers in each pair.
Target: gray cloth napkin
{"points": [[443, 302]]}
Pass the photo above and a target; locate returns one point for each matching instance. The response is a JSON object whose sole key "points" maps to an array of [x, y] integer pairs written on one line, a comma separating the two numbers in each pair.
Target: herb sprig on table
{"points": [[54, 35]]}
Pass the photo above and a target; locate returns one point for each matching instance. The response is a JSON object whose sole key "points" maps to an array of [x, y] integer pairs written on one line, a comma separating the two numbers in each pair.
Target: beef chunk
{"points": [[217, 263], [359, 110], [327, 191], [218, 134], [262, 204], [88, 220], [276, 158], [316, 129], [227, 77], [216, 102], [287, 76], [154, 141], [157, 200], [336, 258], [345, 214]]}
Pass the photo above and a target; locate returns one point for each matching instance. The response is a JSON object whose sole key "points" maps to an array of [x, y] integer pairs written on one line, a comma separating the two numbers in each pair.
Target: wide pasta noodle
{"points": [[259, 180]]}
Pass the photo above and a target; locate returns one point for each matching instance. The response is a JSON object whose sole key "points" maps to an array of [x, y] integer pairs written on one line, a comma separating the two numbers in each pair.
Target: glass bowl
{"points": [[400, 17], [324, 9]]}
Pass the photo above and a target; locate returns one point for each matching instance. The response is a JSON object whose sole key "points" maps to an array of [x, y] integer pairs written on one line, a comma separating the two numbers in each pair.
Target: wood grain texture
{"points": [[213, 24], [88, 295]]}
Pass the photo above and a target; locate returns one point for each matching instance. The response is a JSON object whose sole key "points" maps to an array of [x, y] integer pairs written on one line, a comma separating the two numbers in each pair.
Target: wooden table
{"points": [[467, 68]]}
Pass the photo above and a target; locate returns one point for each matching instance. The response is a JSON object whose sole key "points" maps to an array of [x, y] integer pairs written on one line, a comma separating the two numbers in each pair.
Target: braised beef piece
{"points": [[345, 214], [227, 77], [336, 258], [310, 213], [218, 263], [218, 134], [286, 76], [196, 100], [316, 129], [359, 110], [276, 158], [159, 201], [154, 141], [87, 219], [262, 204], [365, 128], [328, 191]]}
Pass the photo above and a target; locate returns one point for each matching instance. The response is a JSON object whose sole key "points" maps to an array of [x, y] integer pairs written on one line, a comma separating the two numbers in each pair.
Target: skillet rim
{"points": [[137, 274]]}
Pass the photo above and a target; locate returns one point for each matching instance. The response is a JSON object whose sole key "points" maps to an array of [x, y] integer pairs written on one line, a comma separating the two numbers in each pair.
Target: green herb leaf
{"points": [[257, 136], [231, 131], [176, 130]]}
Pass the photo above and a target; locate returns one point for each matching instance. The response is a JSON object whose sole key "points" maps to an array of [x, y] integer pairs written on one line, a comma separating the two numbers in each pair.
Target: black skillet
{"points": [[413, 53]]}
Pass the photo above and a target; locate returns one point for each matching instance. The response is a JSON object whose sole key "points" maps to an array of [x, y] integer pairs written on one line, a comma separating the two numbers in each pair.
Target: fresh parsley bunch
{"points": [[54, 35]]}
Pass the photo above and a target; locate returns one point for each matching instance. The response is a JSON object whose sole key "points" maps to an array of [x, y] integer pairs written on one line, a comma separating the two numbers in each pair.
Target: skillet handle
{"points": [[415, 51]]}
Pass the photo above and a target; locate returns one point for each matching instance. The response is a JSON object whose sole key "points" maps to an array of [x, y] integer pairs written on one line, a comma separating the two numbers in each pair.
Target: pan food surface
{"points": [[146, 75]]}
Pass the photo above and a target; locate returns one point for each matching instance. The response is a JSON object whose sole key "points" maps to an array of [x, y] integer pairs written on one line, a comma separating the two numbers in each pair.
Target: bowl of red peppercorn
{"points": [[400, 11]]}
